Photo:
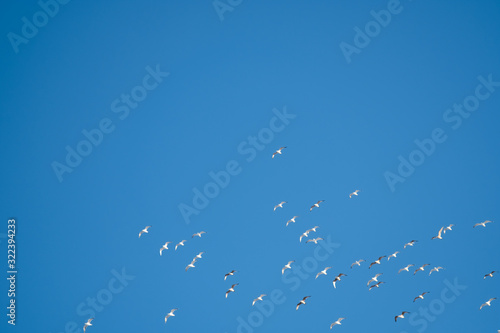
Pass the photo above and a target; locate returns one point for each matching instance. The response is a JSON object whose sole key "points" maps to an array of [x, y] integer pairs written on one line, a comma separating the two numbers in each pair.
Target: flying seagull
{"points": [[198, 255], [337, 278], [392, 255], [490, 274], [292, 220], [337, 322], [487, 303], [357, 262], [435, 269], [305, 234], [405, 268], [87, 324], [258, 298], [410, 243], [180, 243], [278, 151], [421, 268], [191, 264], [439, 234], [316, 205], [315, 240], [353, 193], [229, 274], [280, 205], [482, 223], [323, 272], [376, 262], [231, 290], [170, 314], [286, 266], [145, 230], [448, 228], [402, 315], [376, 285], [421, 296], [302, 301], [374, 279], [164, 247], [198, 234], [312, 229]]}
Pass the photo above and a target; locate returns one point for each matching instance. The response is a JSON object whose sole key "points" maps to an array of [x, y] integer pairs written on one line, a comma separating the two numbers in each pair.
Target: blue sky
{"points": [[158, 97]]}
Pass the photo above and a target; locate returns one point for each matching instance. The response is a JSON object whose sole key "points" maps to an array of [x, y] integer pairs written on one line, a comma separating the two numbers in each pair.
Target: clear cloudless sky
{"points": [[227, 73]]}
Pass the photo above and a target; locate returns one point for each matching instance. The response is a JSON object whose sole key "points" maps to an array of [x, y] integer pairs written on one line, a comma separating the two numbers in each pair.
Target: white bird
{"points": [[489, 274], [258, 298], [402, 315], [421, 268], [305, 234], [376, 285], [392, 255], [280, 205], [337, 322], [316, 205], [374, 279], [376, 262], [353, 193], [312, 229], [410, 243], [421, 296], [286, 266], [357, 262], [145, 230], [190, 265], [198, 234], [292, 220], [198, 255], [337, 278], [164, 247], [87, 324], [229, 274], [231, 290], [435, 269], [323, 272], [180, 243], [278, 151], [439, 234], [406, 268], [448, 228], [482, 223], [170, 314], [302, 301], [314, 240], [487, 303]]}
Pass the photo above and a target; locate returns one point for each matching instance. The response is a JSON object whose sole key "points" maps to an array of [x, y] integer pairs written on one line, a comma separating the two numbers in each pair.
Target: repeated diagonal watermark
{"points": [[223, 6], [453, 117], [249, 149], [121, 106]]}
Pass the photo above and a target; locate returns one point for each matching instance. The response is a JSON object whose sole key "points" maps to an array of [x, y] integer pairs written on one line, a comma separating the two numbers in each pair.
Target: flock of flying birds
{"points": [[337, 278]]}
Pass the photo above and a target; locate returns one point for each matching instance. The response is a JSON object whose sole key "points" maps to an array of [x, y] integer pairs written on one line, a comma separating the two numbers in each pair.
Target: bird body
{"points": [[145, 230], [287, 266], [323, 272], [353, 193], [231, 290], [316, 205], [280, 205], [421, 268], [229, 274], [302, 301], [482, 223], [198, 234], [278, 151], [292, 220], [258, 298], [402, 315], [357, 262], [87, 324], [164, 247], [170, 314], [336, 322], [181, 243], [487, 303]]}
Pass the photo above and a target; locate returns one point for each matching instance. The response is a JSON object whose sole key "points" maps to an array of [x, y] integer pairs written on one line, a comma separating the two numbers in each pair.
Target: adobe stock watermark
{"points": [[453, 116], [29, 29], [293, 279], [121, 107], [97, 303], [372, 29], [222, 6], [428, 314], [221, 179]]}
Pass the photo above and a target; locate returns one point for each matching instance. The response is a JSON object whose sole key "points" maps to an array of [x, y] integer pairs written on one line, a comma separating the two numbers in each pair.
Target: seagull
{"points": [[448, 228], [228, 274], [322, 272], [145, 230], [357, 262], [286, 266], [291, 220], [482, 223], [337, 278], [435, 269], [421, 268], [490, 274], [337, 322], [374, 279], [198, 255], [87, 324], [487, 303], [302, 301], [198, 234], [353, 193], [258, 298], [405, 268], [376, 285], [190, 265], [180, 243], [280, 205], [164, 247], [312, 229], [410, 243], [420, 296], [170, 314], [316, 205], [231, 289], [315, 240], [402, 315], [376, 262], [392, 255], [305, 234], [439, 234], [278, 151]]}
